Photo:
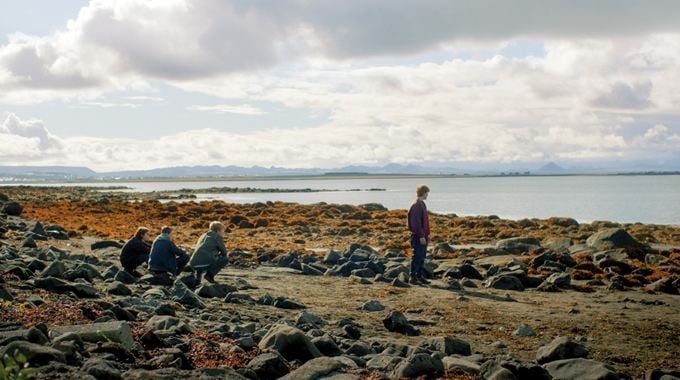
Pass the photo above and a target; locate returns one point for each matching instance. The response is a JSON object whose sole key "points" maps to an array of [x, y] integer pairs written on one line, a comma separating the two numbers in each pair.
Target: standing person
{"points": [[166, 259], [419, 225], [136, 251], [210, 254]]}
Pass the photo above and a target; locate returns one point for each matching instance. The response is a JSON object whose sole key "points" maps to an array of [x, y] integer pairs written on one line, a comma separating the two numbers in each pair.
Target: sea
{"points": [[620, 198]]}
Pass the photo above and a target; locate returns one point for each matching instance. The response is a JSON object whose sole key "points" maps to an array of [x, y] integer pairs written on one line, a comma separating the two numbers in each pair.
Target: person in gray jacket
{"points": [[210, 254]]}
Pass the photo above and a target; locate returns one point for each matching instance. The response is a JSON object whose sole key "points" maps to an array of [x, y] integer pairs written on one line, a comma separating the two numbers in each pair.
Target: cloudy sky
{"points": [[137, 84]]}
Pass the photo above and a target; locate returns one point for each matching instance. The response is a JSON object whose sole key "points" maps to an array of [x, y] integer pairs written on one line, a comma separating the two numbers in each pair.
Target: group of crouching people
{"points": [[165, 260]]}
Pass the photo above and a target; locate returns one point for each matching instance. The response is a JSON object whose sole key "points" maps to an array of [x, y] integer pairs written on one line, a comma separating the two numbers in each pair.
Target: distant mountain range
{"points": [[76, 173]]}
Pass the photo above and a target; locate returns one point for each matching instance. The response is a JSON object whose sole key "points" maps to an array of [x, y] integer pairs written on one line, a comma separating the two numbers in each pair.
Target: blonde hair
{"points": [[422, 190], [216, 226]]}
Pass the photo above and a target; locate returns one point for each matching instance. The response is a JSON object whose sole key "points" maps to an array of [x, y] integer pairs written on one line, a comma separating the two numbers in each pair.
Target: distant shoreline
{"points": [[335, 176]]}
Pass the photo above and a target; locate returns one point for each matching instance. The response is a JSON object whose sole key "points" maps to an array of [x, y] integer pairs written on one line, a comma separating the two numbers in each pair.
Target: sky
{"points": [[140, 84]]}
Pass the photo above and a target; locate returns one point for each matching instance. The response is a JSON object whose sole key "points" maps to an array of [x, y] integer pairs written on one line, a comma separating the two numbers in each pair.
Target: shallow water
{"points": [[646, 199]]}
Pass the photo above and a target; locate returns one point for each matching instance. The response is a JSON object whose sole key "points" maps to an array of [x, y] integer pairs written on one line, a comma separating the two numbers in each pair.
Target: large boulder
{"points": [[34, 354], [290, 342], [115, 332], [397, 322], [448, 345], [320, 368], [504, 282], [269, 365], [12, 208], [455, 364], [518, 244], [419, 365], [613, 238], [56, 285], [561, 348], [580, 369]]}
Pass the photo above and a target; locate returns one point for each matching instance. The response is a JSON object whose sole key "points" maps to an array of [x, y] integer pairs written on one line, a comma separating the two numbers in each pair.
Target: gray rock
{"points": [[55, 269], [524, 331], [613, 238], [35, 354], [332, 257], [310, 270], [359, 349], [319, 368], [504, 282], [290, 342], [453, 364], [521, 244], [119, 289], [309, 319], [215, 290], [124, 277], [662, 374], [118, 332], [56, 285], [182, 294], [5, 294], [285, 303], [560, 348], [384, 363], [327, 346], [397, 322], [101, 369], [269, 365], [419, 365], [580, 369], [561, 280], [105, 244], [167, 323], [448, 345], [373, 305], [12, 208], [364, 273]]}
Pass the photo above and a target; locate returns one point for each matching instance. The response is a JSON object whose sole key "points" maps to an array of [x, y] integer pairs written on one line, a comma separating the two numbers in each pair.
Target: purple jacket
{"points": [[418, 220]]}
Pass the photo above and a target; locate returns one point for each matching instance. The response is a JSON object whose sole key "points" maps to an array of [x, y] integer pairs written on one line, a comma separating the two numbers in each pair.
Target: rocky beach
{"points": [[320, 292]]}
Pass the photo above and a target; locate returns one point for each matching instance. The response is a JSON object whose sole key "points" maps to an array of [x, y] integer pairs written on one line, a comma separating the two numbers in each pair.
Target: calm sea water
{"points": [[647, 199]]}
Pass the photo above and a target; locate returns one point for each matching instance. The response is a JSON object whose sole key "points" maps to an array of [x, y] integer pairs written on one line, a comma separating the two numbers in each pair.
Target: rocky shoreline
{"points": [[320, 292]]}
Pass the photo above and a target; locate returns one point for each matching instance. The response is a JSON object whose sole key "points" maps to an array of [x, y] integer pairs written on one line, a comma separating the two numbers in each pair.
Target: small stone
{"points": [[373, 305], [524, 331]]}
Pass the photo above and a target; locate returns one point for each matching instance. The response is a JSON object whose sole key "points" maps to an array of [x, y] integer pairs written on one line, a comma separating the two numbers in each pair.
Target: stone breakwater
{"points": [[537, 299]]}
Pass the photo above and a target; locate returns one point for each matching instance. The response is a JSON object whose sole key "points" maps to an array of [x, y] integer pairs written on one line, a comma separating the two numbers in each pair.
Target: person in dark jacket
{"points": [[419, 225], [210, 254], [165, 257], [136, 251]]}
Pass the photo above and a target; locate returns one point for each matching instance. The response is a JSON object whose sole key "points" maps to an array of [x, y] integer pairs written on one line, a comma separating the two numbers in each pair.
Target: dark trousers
{"points": [[214, 268], [131, 263], [182, 261], [418, 258]]}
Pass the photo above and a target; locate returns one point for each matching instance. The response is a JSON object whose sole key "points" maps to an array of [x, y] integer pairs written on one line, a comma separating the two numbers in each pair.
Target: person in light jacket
{"points": [[210, 254], [419, 225]]}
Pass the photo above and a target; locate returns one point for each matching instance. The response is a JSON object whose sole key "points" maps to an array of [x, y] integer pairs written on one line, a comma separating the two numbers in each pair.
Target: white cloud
{"points": [[605, 88], [242, 109], [114, 44], [333, 146], [32, 134]]}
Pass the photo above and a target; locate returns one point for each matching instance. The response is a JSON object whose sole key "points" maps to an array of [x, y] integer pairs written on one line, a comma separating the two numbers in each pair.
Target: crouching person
{"points": [[166, 259], [136, 251], [210, 254]]}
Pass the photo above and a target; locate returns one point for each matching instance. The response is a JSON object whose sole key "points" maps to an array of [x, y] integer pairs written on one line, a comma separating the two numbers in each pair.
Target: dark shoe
{"points": [[199, 278], [210, 278], [423, 280], [414, 281], [136, 274]]}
